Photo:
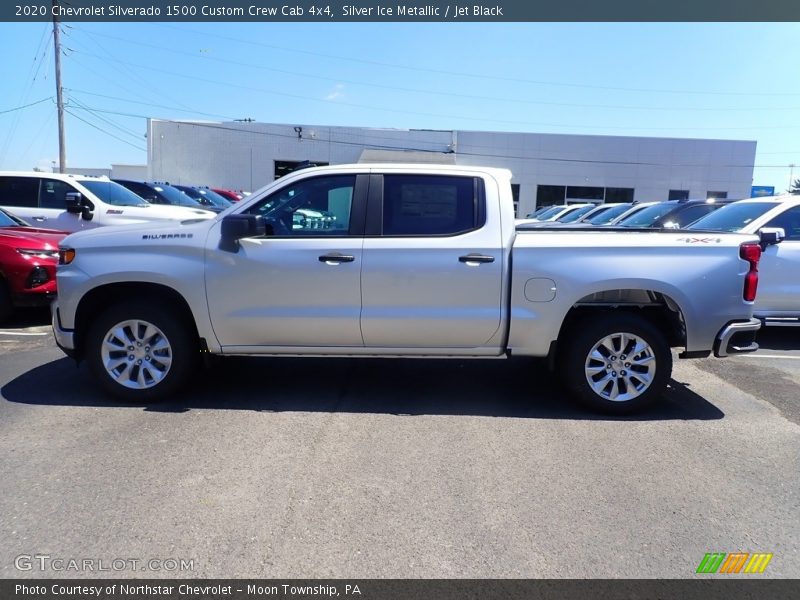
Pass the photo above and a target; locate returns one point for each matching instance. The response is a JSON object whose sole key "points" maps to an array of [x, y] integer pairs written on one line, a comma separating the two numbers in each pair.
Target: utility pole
{"points": [[62, 149]]}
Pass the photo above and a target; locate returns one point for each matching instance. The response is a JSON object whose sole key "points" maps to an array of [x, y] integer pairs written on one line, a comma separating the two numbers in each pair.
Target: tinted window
{"points": [[52, 192], [609, 215], [430, 205], [319, 206], [143, 192], [733, 216], [19, 191], [174, 196], [692, 213], [576, 214], [647, 216], [790, 221], [113, 193]]}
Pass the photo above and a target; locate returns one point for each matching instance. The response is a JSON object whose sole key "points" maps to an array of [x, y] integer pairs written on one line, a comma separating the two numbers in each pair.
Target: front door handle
{"points": [[476, 258], [336, 258], [40, 219]]}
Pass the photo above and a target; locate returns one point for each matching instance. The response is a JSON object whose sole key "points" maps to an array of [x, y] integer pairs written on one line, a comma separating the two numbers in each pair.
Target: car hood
{"points": [[121, 235], [31, 237]]}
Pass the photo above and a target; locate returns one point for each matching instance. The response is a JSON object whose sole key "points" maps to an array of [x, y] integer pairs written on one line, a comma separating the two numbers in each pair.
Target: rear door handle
{"points": [[336, 258], [39, 218], [476, 258]]}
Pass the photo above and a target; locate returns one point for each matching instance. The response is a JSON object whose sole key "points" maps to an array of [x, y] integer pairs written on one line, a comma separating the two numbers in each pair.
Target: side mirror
{"points": [[78, 205], [236, 227], [74, 202], [769, 236]]}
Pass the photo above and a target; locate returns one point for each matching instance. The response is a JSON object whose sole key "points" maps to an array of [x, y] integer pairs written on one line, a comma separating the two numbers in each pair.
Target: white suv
{"points": [[76, 202]]}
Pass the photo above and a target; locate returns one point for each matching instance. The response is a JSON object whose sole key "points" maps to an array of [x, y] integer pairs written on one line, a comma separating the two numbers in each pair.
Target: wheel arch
{"points": [[660, 309], [101, 297]]}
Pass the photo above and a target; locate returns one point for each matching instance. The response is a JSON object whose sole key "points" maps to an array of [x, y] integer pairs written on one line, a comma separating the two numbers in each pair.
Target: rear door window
{"points": [[415, 205], [19, 191]]}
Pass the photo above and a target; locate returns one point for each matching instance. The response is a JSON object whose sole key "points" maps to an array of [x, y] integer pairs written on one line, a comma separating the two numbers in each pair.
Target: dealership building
{"points": [[547, 168]]}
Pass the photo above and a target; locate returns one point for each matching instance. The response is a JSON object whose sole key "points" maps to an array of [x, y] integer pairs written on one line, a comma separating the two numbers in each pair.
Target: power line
{"points": [[104, 131], [439, 115], [2, 112], [317, 77], [478, 76]]}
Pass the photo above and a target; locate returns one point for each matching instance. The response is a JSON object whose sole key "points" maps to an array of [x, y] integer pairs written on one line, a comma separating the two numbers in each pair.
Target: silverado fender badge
{"points": [[114, 211], [167, 236]]}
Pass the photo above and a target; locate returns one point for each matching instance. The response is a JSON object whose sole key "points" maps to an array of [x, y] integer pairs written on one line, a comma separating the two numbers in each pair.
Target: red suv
{"points": [[28, 259]]}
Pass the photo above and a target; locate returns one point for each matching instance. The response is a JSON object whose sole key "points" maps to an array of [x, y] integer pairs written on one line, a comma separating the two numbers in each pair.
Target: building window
{"points": [[678, 195], [549, 195], [716, 194], [619, 194], [585, 193], [284, 167]]}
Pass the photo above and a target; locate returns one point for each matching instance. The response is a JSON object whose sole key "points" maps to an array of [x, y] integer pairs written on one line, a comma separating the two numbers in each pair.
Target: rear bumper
{"points": [[737, 337]]}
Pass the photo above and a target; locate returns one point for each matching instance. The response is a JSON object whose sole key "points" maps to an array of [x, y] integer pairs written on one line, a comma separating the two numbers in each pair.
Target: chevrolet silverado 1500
{"points": [[420, 261]]}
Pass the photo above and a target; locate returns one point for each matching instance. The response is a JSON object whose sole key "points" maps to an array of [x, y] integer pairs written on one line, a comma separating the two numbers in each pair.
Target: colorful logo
{"points": [[735, 562]]}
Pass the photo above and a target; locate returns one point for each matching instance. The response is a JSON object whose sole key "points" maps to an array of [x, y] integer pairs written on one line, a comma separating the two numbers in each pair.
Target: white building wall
{"points": [[241, 156]]}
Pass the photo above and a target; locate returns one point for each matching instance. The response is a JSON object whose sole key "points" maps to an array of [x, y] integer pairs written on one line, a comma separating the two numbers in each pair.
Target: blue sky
{"points": [[721, 81]]}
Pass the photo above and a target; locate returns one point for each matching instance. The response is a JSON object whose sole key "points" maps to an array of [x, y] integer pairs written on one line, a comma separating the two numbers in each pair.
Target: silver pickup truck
{"points": [[419, 261]]}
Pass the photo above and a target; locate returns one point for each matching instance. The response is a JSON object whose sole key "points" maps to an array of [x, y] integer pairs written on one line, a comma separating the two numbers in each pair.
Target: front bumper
{"points": [[65, 338], [737, 337]]}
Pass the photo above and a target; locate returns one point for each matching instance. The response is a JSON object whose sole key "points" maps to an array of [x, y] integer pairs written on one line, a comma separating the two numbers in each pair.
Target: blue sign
{"points": [[762, 190]]}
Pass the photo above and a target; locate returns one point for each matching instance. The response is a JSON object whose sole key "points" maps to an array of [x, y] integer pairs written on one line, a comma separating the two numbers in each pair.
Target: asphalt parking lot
{"points": [[397, 468]]}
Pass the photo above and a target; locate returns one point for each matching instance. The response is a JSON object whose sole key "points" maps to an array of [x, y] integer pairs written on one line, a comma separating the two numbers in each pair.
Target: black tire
{"points": [[174, 331], [594, 383], [6, 307]]}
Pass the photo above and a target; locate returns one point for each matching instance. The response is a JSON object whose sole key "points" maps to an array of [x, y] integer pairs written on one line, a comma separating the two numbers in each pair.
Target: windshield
{"points": [[113, 193], [7, 220], [175, 197], [576, 214], [647, 216], [605, 217], [214, 198], [733, 216], [550, 212]]}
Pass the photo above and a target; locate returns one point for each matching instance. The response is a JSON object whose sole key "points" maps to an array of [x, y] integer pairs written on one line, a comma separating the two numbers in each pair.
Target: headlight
{"points": [[65, 256], [30, 253]]}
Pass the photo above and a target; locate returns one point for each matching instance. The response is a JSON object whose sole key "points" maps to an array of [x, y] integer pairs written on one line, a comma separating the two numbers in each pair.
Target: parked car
{"points": [[75, 202], [205, 196], [229, 194], [402, 277], [778, 299], [672, 214], [557, 212], [537, 212], [28, 259], [162, 193]]}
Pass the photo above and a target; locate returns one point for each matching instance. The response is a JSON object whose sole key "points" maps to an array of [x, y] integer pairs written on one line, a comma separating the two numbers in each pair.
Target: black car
{"points": [[210, 199], [161, 193], [672, 214]]}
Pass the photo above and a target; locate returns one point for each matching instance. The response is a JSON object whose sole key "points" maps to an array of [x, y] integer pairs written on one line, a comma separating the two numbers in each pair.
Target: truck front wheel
{"points": [[139, 352], [616, 363]]}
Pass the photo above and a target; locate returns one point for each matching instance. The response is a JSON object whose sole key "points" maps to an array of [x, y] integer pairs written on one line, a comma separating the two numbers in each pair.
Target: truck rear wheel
{"points": [[140, 353], [617, 363]]}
